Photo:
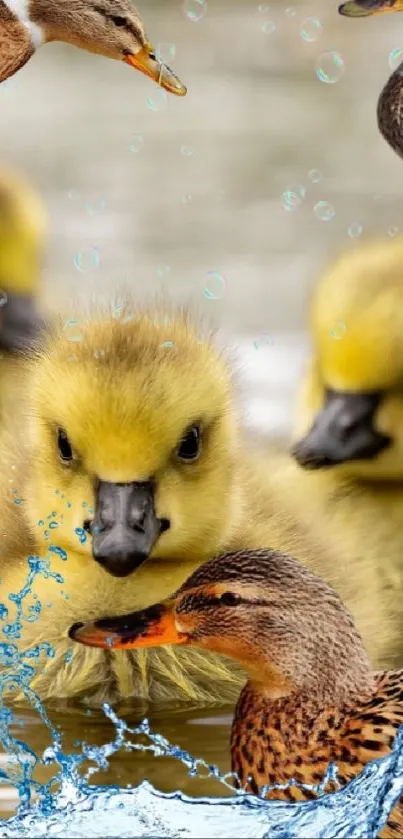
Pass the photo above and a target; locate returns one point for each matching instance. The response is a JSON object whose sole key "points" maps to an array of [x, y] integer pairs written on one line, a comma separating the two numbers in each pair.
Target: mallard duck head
{"points": [[367, 8]]}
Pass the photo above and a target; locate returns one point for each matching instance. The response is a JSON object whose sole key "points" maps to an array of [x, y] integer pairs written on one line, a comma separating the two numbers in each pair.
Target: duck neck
{"points": [[19, 37]]}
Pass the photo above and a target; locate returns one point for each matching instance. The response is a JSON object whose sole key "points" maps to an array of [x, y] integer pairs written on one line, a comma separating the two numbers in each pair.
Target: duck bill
{"points": [[147, 63], [367, 8], [151, 627]]}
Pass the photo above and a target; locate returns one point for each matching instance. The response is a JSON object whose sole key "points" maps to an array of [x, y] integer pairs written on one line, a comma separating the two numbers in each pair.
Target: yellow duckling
{"points": [[311, 698], [132, 462], [23, 227], [109, 27]]}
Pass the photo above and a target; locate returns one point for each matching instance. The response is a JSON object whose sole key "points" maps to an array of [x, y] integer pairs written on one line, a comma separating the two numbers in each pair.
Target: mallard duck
{"points": [[23, 226], [130, 472], [389, 102], [311, 697], [109, 27]]}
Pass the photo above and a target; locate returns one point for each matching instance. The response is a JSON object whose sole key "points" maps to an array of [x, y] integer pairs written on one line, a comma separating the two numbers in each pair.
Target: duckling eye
{"points": [[189, 447], [65, 450], [229, 599]]}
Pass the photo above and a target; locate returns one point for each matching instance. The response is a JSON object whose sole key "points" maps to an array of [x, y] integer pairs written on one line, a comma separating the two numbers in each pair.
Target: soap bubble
{"points": [[95, 206], [315, 176], [195, 9], [187, 151], [291, 11], [395, 58], [165, 51], [73, 194], [163, 270], [293, 197], [262, 341], [216, 285], [268, 27], [3, 298], [355, 230], [339, 331], [330, 67], [158, 101], [87, 260], [186, 199], [136, 143], [73, 333], [311, 29], [393, 231], [324, 211], [262, 8]]}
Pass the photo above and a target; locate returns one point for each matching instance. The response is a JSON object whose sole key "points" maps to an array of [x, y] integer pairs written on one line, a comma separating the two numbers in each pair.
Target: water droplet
{"points": [[165, 51], [158, 101], [60, 552], [268, 27], [87, 260], [72, 331], [195, 9], [324, 211], [395, 58], [168, 344], [53, 525], [311, 29], [315, 176], [330, 67], [82, 536], [187, 151], [339, 331], [95, 206], [393, 231], [136, 144], [355, 230], [293, 197], [216, 285], [3, 298], [69, 656]]}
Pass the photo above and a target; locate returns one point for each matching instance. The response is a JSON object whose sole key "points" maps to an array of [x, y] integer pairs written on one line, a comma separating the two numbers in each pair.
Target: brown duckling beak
{"points": [[365, 8], [149, 627], [146, 61]]}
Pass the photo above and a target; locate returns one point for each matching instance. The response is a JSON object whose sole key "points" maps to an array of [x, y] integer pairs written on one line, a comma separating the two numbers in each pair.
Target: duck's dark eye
{"points": [[65, 450], [118, 21], [229, 599], [189, 446]]}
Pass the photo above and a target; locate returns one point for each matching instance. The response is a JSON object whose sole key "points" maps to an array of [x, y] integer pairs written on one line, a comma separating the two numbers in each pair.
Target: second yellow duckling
{"points": [[112, 28], [311, 698], [130, 473]]}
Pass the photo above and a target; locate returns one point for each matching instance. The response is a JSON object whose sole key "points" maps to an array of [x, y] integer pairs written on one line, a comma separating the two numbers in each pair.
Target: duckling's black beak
{"points": [[125, 527], [365, 8], [20, 322], [149, 627], [343, 431], [146, 61]]}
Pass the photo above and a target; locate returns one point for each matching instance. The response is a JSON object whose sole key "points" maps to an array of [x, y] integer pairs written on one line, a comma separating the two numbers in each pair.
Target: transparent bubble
{"points": [[136, 144], [195, 9], [215, 288], [311, 29], [330, 67], [263, 341], [268, 27], [324, 211], [73, 194], [263, 8], [339, 330], [393, 231], [315, 176], [395, 58], [95, 206], [163, 270], [186, 199], [291, 11], [165, 51], [73, 333], [158, 101], [187, 151], [355, 230], [293, 197], [3, 298], [87, 260]]}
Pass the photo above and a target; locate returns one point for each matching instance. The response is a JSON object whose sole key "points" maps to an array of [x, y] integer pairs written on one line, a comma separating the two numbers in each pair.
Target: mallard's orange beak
{"points": [[147, 628], [146, 61], [365, 8]]}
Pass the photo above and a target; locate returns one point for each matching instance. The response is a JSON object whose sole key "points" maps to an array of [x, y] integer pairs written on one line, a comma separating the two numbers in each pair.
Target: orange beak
{"points": [[149, 627], [365, 8], [146, 61]]}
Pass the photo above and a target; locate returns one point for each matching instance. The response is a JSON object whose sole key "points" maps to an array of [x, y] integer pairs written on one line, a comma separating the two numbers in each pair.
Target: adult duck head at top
{"points": [[367, 8], [112, 28]]}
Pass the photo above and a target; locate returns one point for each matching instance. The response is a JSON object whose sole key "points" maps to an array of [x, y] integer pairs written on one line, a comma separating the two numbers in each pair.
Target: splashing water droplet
{"points": [[293, 197], [355, 230], [311, 29], [195, 10], [395, 58], [216, 285], [165, 51], [87, 260], [315, 176], [268, 27], [324, 211], [136, 144], [3, 298], [330, 67], [82, 536], [158, 102], [73, 333]]}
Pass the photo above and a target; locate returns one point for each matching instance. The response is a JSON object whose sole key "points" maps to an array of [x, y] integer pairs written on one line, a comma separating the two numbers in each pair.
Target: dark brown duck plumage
{"points": [[311, 697]]}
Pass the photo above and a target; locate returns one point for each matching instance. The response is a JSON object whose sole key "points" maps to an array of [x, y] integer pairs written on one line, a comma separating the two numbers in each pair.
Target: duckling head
{"points": [[112, 28], [367, 8], [283, 624], [132, 441], [351, 412], [23, 227]]}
